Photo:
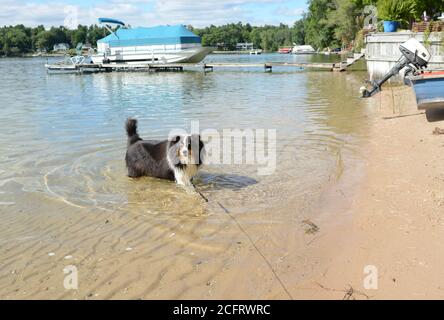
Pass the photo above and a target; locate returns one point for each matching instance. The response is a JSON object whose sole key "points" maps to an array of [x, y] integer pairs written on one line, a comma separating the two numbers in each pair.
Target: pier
{"points": [[206, 67]]}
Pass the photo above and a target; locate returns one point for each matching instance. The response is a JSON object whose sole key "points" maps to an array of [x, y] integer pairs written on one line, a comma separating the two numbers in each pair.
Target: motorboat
{"points": [[304, 49], [148, 45], [428, 88], [284, 50]]}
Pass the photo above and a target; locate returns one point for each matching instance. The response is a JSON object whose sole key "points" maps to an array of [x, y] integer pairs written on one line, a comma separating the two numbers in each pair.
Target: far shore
{"points": [[216, 52], [35, 55]]}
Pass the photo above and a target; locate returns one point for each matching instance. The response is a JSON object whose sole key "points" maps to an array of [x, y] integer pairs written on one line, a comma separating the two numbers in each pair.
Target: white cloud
{"points": [[16, 12], [140, 12], [290, 12]]}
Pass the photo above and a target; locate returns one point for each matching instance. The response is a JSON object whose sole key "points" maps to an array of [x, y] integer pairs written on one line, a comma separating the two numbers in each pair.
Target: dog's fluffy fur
{"points": [[177, 159]]}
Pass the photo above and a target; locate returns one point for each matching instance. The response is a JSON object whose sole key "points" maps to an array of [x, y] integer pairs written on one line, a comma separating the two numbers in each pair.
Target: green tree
{"points": [[16, 41], [299, 32], [343, 21], [43, 40], [319, 32], [79, 35], [433, 8]]}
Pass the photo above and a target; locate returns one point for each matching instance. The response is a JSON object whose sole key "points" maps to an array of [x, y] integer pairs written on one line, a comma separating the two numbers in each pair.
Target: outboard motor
{"points": [[414, 56]]}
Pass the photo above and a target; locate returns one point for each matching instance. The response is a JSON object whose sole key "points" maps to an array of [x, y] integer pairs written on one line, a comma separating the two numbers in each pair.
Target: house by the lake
{"points": [[244, 46], [61, 47]]}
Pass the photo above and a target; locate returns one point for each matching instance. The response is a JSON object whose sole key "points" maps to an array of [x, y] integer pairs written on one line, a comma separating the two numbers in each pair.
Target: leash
{"points": [[249, 239], [200, 193]]}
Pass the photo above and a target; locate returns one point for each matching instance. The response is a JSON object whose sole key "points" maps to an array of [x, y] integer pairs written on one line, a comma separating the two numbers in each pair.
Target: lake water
{"points": [[64, 189]]}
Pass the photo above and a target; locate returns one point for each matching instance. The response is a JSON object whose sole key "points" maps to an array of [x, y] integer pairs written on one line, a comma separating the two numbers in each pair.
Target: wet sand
{"points": [[395, 220]]}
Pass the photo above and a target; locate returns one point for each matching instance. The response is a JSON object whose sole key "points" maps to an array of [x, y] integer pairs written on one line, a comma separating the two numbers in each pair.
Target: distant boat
{"points": [[162, 44], [255, 51], [284, 50], [305, 49], [428, 88]]}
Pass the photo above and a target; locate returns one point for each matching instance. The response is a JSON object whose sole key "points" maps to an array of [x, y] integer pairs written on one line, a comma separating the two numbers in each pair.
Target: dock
{"points": [[206, 67]]}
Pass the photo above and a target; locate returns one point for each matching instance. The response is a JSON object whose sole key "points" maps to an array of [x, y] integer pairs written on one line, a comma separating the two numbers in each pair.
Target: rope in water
{"points": [[249, 239]]}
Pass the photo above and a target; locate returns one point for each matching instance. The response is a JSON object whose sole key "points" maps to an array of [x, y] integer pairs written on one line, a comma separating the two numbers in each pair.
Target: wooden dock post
{"points": [[207, 68], [340, 67]]}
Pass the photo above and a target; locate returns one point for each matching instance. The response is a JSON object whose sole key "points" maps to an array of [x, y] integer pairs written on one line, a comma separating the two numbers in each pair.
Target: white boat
{"points": [[305, 49], [76, 64], [255, 51], [162, 44]]}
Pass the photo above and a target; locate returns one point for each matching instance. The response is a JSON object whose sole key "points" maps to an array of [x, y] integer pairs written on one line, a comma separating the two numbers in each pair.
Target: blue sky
{"points": [[199, 13]]}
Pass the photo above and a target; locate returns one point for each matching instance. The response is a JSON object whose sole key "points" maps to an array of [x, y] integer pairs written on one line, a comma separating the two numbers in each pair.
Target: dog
{"points": [[177, 159]]}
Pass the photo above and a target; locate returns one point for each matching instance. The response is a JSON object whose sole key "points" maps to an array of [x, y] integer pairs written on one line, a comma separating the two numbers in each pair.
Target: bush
{"points": [[402, 11]]}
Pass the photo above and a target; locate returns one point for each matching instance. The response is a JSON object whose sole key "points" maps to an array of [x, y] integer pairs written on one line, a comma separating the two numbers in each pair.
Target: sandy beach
{"points": [[394, 222]]}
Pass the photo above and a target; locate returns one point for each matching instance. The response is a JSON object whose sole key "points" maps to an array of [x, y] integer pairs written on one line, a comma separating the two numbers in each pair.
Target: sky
{"points": [[199, 13]]}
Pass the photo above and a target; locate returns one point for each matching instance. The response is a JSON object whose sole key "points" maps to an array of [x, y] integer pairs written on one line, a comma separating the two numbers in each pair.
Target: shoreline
{"points": [[392, 226]]}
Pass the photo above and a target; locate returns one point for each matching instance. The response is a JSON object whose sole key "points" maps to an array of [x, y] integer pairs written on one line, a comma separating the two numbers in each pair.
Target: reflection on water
{"points": [[62, 146]]}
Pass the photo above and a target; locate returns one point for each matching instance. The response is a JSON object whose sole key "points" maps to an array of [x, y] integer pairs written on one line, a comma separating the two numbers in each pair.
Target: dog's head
{"points": [[186, 150]]}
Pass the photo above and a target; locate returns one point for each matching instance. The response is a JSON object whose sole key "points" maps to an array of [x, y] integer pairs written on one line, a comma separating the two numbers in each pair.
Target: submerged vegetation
{"points": [[327, 23]]}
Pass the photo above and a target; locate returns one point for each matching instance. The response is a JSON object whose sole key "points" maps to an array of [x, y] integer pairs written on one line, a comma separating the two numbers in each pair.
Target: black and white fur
{"points": [[177, 159]]}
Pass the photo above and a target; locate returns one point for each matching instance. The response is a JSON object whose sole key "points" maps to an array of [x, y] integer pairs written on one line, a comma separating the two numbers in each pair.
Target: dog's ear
{"points": [[175, 139]]}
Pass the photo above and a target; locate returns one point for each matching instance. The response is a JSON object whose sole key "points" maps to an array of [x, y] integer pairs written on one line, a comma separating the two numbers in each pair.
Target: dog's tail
{"points": [[131, 131]]}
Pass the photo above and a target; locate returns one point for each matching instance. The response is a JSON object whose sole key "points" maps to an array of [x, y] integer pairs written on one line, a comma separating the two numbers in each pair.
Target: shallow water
{"points": [[63, 178]]}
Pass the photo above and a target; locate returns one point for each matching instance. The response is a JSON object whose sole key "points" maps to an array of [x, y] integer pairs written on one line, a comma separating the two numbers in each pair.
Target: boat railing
{"points": [[157, 48]]}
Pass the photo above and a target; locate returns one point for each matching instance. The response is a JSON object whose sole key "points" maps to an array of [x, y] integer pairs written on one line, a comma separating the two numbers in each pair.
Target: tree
{"points": [[43, 40], [433, 8], [16, 41], [79, 35], [318, 31], [34, 33], [343, 21], [299, 32]]}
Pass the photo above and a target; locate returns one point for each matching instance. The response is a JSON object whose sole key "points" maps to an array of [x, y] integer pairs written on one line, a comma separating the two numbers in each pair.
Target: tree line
{"points": [[327, 23], [18, 40]]}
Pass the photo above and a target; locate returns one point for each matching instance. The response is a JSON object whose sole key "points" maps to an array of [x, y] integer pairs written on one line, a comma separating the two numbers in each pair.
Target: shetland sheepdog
{"points": [[177, 158]]}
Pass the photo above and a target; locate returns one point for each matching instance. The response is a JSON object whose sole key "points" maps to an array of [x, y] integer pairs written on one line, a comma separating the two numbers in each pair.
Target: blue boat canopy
{"points": [[150, 36], [113, 21]]}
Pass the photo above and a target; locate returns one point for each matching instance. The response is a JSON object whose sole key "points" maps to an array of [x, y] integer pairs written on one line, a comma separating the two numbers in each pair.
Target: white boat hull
{"points": [[137, 56], [304, 49]]}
